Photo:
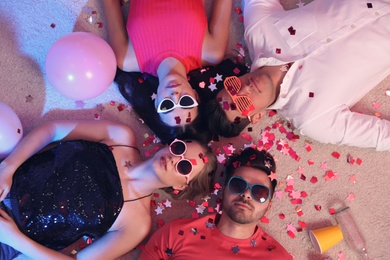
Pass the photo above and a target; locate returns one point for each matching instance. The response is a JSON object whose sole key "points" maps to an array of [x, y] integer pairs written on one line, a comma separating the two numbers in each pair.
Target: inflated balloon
{"points": [[11, 131], [80, 65]]}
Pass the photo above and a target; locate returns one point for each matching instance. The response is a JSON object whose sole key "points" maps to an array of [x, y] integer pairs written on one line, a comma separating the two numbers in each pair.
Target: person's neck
{"points": [[170, 66], [233, 229], [276, 73], [143, 179]]}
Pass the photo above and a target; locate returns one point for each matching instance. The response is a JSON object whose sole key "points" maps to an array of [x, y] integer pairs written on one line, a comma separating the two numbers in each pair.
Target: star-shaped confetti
{"points": [[167, 203], [351, 197], [213, 87], [169, 251], [218, 78], [29, 99], [272, 176], [159, 210], [235, 249]]}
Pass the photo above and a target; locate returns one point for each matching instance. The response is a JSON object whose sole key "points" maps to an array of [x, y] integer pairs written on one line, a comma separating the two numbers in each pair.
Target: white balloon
{"points": [[11, 131]]}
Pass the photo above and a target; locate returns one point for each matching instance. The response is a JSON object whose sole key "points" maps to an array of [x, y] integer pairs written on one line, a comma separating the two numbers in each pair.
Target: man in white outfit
{"points": [[311, 64]]}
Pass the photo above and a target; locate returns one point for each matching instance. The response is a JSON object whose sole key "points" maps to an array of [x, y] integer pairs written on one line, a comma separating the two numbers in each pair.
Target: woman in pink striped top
{"points": [[168, 39]]}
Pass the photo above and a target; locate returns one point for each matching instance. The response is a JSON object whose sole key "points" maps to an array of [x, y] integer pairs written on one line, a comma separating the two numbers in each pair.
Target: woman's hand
{"points": [[8, 230], [6, 174]]}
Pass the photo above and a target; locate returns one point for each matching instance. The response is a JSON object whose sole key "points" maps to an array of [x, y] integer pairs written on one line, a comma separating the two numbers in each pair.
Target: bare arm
{"points": [[117, 36], [216, 39], [10, 235], [112, 245], [98, 131]]}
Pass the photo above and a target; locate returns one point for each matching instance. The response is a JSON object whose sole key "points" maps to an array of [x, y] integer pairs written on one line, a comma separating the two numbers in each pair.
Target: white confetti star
{"points": [[213, 87], [168, 204], [159, 210], [218, 78]]}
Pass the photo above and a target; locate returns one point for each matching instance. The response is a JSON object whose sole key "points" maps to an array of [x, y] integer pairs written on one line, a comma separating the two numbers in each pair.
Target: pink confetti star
{"points": [[376, 105], [285, 150], [295, 194], [301, 170], [272, 176], [221, 158], [290, 180], [353, 178], [324, 165], [291, 228], [351, 197], [340, 256], [279, 194]]}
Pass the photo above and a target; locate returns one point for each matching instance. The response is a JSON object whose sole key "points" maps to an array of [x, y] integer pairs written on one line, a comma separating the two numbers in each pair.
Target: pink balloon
{"points": [[80, 65], [11, 131]]}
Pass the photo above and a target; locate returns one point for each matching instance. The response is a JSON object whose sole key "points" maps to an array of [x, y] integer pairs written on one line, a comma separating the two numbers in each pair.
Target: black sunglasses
{"points": [[238, 185]]}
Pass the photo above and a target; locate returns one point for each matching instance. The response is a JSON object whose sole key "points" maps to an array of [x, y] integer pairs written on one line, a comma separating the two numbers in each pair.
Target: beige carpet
{"points": [[360, 179]]}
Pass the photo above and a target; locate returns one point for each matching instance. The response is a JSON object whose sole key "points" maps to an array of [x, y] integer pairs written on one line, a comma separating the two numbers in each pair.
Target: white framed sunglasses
{"points": [[183, 166], [186, 101]]}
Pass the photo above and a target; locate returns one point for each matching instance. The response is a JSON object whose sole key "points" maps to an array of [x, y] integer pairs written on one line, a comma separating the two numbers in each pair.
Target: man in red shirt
{"points": [[233, 233]]}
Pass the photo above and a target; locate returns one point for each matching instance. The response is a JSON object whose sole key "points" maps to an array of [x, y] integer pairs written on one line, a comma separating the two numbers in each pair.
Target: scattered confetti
{"points": [[235, 249], [351, 197], [29, 99]]}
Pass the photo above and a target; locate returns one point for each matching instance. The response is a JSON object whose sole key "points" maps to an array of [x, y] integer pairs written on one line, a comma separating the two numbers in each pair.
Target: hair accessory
{"points": [[175, 191]]}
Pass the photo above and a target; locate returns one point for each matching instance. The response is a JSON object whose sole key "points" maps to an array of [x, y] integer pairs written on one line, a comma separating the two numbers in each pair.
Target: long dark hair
{"points": [[138, 88]]}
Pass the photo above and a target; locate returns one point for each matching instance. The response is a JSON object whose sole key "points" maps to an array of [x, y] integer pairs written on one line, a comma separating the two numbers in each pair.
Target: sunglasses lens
{"points": [[187, 101], [260, 193], [184, 167], [178, 147], [237, 185], [232, 85], [166, 104], [244, 104]]}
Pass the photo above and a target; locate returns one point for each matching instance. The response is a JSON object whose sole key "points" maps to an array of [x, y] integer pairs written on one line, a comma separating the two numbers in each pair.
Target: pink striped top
{"points": [[167, 28]]}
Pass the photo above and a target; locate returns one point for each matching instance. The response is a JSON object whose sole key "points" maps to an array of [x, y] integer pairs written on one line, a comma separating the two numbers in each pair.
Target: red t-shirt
{"points": [[169, 28], [201, 239]]}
